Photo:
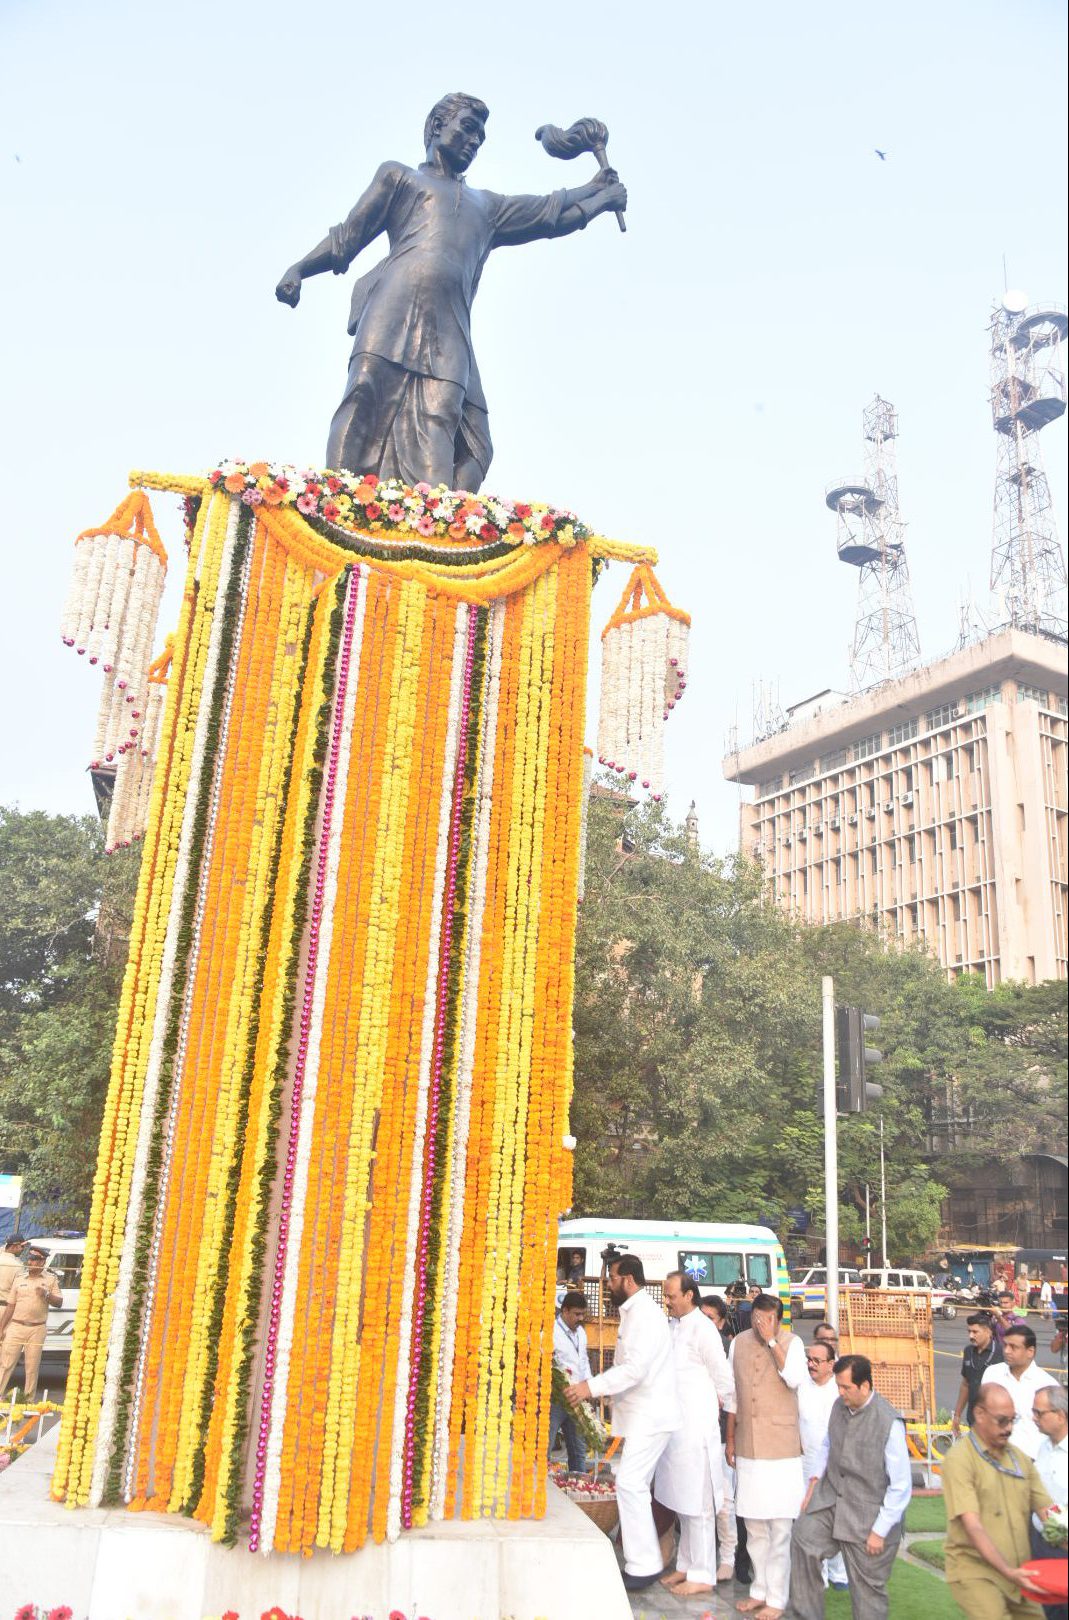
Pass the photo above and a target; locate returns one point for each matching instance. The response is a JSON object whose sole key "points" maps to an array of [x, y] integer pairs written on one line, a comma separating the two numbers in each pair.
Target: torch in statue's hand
{"points": [[586, 135]]}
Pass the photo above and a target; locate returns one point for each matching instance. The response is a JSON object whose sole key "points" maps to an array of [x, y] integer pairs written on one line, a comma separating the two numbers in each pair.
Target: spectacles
{"points": [[1004, 1422]]}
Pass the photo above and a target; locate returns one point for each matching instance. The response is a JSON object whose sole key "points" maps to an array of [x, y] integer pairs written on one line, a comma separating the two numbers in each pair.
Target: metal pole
{"points": [[831, 1155], [883, 1199], [868, 1221]]}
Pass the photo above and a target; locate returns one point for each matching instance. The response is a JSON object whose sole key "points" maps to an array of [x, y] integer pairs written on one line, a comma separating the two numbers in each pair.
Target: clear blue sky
{"points": [[693, 384]]}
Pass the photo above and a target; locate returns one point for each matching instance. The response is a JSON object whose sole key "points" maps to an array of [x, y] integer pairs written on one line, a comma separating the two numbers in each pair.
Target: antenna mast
{"points": [[869, 536], [1028, 579]]}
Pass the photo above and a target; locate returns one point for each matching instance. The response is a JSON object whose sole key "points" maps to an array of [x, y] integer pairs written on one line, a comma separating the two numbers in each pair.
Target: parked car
{"points": [[809, 1288], [896, 1280]]}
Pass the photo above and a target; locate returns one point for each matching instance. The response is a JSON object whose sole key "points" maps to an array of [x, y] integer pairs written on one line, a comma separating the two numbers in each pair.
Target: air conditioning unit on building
{"points": [[802, 836], [787, 841], [888, 806], [818, 830], [851, 820], [907, 798], [870, 815], [834, 824]]}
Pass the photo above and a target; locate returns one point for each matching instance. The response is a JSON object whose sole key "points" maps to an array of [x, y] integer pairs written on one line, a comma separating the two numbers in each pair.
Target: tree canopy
{"points": [[62, 953], [698, 1048]]}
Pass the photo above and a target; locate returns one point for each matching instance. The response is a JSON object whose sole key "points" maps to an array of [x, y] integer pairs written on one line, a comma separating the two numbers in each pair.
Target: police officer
{"points": [[24, 1322]]}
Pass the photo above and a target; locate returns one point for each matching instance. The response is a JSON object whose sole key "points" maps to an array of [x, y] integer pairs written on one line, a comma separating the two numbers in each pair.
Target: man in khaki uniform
{"points": [[10, 1266], [24, 1322], [990, 1490]]}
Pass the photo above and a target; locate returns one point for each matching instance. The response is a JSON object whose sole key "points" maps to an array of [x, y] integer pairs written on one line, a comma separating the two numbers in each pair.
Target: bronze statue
{"points": [[414, 407]]}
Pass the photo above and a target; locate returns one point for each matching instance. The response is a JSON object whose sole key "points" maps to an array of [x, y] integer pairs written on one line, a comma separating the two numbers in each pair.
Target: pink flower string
{"points": [[436, 1075], [352, 592]]}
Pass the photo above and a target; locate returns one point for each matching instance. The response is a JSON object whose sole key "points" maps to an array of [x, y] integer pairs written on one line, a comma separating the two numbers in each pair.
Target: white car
{"points": [[809, 1289], [896, 1280]]}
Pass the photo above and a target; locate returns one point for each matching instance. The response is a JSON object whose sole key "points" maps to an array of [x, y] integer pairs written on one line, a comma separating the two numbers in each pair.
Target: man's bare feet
{"points": [[675, 1579], [726, 1572], [765, 1613], [693, 1588], [750, 1605]]}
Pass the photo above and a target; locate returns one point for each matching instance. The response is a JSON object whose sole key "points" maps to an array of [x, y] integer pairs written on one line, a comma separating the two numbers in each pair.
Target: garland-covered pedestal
{"points": [[317, 1300]]}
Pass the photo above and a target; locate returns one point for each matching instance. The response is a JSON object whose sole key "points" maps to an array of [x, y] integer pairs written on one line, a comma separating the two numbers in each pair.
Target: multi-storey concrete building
{"points": [[934, 806]]}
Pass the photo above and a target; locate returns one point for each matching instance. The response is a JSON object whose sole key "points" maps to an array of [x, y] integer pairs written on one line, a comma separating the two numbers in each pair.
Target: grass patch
{"points": [[914, 1595], [926, 1513], [930, 1552]]}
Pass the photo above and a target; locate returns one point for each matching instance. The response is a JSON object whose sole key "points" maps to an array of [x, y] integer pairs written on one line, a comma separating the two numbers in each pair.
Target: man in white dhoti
{"points": [[689, 1477], [764, 1445], [816, 1397], [645, 1411]]}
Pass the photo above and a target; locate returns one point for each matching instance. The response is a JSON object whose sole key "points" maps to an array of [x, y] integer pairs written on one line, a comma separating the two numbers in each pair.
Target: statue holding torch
{"points": [[414, 407]]}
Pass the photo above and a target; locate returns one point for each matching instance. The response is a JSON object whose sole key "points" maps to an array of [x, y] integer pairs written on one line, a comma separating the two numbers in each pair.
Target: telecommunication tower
{"points": [[1027, 394], [869, 536]]}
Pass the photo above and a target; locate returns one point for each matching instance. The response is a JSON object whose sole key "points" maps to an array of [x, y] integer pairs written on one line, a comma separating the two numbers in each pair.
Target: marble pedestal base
{"points": [[111, 1565]]}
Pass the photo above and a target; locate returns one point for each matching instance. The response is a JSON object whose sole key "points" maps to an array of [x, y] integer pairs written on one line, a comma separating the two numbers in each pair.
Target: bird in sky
{"points": [[881, 155]]}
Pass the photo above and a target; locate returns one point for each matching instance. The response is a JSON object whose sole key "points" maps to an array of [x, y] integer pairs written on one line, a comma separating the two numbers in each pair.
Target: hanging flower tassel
{"points": [[643, 676], [128, 817], [110, 617]]}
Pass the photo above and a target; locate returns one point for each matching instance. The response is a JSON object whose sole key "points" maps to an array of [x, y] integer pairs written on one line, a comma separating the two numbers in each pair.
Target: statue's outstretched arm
{"points": [[526, 219], [366, 220]]}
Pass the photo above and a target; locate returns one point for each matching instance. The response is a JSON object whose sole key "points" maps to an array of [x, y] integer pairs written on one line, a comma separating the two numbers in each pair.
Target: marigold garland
{"points": [[342, 1064]]}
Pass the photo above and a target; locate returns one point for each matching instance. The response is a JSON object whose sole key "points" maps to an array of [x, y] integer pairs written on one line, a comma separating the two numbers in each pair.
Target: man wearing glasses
{"points": [[1020, 1376], [991, 1489], [1049, 1412], [815, 1401]]}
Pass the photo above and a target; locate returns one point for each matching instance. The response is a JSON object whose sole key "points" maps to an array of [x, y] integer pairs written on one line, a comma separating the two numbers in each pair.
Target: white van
{"points": [[65, 1257], [715, 1253]]}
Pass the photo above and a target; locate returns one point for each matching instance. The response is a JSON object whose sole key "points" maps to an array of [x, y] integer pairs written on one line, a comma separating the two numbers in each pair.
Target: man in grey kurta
{"points": [[414, 406], [856, 1505]]}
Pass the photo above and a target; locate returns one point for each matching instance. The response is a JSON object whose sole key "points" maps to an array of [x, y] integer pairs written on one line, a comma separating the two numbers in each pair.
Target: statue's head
{"points": [[456, 128]]}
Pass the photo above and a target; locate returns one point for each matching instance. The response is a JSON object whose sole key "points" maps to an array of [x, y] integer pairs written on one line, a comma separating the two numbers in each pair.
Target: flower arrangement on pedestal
{"points": [[343, 1054]]}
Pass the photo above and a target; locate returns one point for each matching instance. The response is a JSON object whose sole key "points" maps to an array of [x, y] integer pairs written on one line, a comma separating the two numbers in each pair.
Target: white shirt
{"points": [[899, 1475], [815, 1402], [1025, 1436], [694, 1451], [794, 1371], [1052, 1466], [569, 1350], [642, 1378]]}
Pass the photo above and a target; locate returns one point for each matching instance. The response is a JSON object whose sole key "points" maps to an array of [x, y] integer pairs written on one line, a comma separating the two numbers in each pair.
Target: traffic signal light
{"points": [[854, 1092]]}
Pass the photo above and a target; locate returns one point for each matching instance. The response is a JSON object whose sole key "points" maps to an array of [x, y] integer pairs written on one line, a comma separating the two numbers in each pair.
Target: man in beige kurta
{"points": [[24, 1322]]}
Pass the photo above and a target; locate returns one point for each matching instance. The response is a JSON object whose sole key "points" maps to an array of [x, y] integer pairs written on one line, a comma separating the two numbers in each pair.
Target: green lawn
{"points": [[914, 1594], [930, 1552], [926, 1513]]}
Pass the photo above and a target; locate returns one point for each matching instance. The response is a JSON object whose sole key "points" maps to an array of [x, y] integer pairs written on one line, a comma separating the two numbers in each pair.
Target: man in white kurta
{"points": [[645, 1412], [689, 1474], [816, 1397], [764, 1445]]}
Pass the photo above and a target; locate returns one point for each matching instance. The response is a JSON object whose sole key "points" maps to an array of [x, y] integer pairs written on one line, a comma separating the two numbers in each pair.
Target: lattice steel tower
{"points": [[869, 536], [1027, 394]]}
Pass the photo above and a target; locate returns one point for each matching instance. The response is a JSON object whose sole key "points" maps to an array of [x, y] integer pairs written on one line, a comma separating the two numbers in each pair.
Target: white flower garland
{"points": [[643, 677]]}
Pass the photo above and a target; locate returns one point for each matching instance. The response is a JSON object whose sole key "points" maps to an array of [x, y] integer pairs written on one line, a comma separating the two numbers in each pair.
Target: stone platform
{"points": [[111, 1565]]}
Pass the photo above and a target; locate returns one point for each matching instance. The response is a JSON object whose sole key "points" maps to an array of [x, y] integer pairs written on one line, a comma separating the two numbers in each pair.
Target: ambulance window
{"points": [[711, 1270], [759, 1269]]}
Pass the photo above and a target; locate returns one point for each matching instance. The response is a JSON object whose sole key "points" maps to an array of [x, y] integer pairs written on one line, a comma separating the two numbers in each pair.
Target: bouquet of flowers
{"points": [[587, 1421], [1056, 1528]]}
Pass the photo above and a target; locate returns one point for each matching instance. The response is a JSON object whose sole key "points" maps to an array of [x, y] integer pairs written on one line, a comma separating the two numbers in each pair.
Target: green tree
{"points": [[62, 952]]}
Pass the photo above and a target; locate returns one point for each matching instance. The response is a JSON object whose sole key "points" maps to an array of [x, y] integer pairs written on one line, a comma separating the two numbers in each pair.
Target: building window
{"points": [[804, 773], [975, 701], [1026, 693], [912, 842], [766, 789], [1061, 704], [942, 716], [832, 762], [942, 767], [865, 747], [903, 733]]}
